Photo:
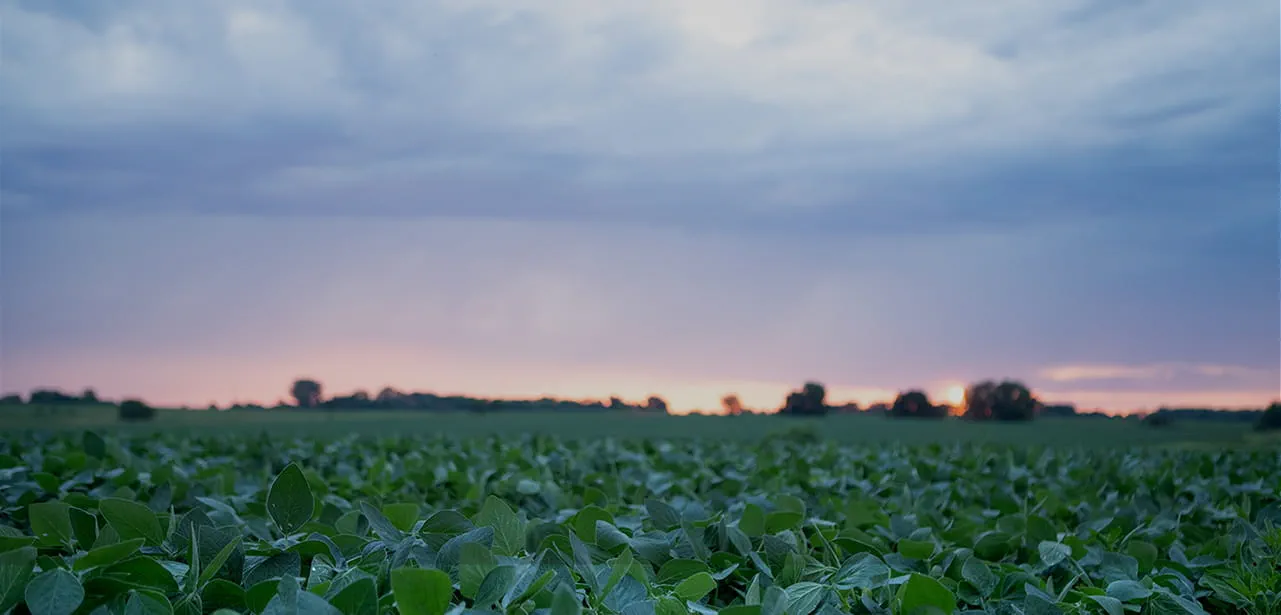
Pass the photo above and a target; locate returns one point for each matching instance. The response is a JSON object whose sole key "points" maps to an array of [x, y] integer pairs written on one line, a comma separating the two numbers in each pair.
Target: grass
{"points": [[848, 429]]}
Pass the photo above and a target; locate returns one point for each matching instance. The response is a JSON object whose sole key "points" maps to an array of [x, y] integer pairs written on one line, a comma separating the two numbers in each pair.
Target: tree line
{"points": [[1007, 400], [987, 400]]}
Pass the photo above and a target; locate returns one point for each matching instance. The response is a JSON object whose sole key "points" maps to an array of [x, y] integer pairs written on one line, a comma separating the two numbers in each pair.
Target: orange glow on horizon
{"points": [[196, 380], [954, 395]]}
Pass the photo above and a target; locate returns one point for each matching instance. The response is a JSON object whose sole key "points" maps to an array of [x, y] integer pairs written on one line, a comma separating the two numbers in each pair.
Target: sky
{"points": [[203, 200]]}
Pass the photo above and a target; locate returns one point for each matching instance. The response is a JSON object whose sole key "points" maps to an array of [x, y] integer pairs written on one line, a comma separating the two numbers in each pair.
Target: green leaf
{"points": [[666, 605], [278, 566], [694, 536], [495, 586], [976, 573], [474, 562], [142, 571], [696, 586], [676, 570], [421, 592], [662, 515], [780, 520], [584, 522], [289, 500], [403, 515], [147, 603], [861, 571], [212, 568], [84, 526], [1052, 553], [132, 520], [529, 581], [565, 601], [358, 598], [742, 609], [1040, 604], [803, 597], [993, 546], [1145, 552], [9, 543], [583, 562], [916, 549], [381, 525], [1109, 604], [93, 446], [509, 530], [292, 600], [1165, 602], [15, 572], [774, 602], [221, 593], [922, 595], [1128, 591], [107, 555], [450, 554], [51, 523], [54, 592], [621, 567], [259, 595], [753, 521]]}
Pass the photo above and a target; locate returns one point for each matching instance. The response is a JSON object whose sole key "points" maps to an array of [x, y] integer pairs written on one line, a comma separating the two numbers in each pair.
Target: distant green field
{"points": [[852, 429]]}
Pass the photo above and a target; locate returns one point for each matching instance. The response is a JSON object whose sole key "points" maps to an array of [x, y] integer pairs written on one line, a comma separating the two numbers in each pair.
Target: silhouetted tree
{"points": [[306, 392], [809, 401], [136, 410], [655, 404], [1060, 410], [391, 398], [52, 396], [732, 405], [1216, 415], [89, 396], [358, 400], [1012, 401], [1270, 419], [916, 404], [1158, 419], [12, 398], [978, 400]]}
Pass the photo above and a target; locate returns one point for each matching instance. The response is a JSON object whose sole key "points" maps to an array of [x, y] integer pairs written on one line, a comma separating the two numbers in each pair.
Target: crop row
{"points": [[165, 525]]}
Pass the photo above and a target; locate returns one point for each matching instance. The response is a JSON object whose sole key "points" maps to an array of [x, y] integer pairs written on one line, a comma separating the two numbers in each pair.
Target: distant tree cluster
{"points": [[308, 393], [136, 410], [916, 405], [53, 397], [1008, 400], [1263, 420], [1270, 419], [809, 401]]}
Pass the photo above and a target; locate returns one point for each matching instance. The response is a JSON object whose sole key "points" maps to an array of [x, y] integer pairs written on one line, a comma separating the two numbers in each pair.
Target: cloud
{"points": [[881, 194], [1158, 371], [765, 108]]}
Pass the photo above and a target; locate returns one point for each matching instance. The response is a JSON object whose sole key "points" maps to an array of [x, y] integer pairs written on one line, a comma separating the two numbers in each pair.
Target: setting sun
{"points": [[954, 395]]}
